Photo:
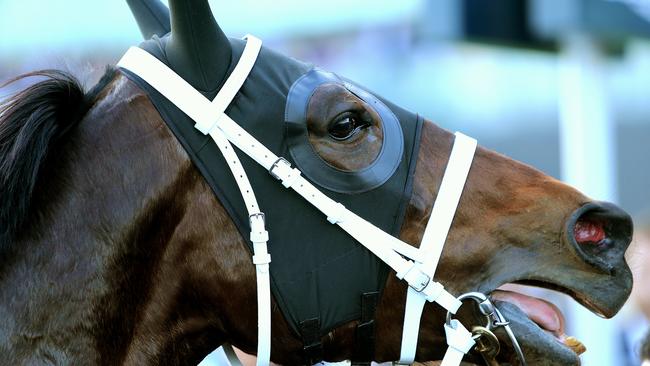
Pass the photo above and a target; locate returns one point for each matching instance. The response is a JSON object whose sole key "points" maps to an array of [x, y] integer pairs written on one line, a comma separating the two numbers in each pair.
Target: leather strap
{"points": [[435, 234], [312, 346], [365, 334]]}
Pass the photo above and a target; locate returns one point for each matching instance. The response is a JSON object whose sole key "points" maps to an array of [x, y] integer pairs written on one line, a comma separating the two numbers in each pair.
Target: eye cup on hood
{"points": [[317, 169]]}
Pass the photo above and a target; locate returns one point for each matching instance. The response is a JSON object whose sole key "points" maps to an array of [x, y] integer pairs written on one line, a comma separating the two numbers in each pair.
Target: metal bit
{"points": [[487, 344]]}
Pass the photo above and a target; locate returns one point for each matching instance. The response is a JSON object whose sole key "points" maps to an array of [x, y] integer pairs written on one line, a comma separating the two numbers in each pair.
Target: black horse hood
{"points": [[317, 271]]}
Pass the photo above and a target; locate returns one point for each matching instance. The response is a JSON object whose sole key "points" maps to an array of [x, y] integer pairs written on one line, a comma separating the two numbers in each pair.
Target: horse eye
{"points": [[346, 126]]}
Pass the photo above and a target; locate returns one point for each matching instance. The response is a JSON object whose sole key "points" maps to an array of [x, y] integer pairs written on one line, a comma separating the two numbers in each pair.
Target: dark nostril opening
{"points": [[589, 231], [600, 232]]}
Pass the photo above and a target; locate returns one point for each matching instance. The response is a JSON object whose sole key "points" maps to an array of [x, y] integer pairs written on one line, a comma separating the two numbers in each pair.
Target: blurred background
{"points": [[563, 85]]}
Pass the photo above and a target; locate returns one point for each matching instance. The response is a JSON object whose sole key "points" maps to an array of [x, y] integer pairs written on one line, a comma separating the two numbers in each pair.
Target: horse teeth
{"points": [[575, 345]]}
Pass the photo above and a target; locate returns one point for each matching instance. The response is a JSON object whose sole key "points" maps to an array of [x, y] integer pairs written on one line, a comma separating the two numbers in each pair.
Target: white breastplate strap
{"points": [[435, 234], [415, 266]]}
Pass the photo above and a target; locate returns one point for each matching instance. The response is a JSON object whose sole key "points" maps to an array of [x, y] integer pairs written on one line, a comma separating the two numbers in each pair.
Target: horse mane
{"points": [[33, 122]]}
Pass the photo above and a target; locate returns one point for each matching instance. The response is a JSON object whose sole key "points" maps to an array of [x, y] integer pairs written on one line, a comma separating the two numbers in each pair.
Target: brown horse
{"points": [[115, 250]]}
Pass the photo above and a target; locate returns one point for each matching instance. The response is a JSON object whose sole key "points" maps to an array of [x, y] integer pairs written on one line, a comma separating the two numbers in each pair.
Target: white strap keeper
{"points": [[257, 221], [258, 230], [460, 341], [291, 178], [434, 291], [448, 301], [259, 236], [262, 258], [336, 213], [405, 270]]}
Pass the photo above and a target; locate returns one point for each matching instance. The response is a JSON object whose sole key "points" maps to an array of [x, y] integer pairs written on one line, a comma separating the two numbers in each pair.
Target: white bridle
{"points": [[415, 266]]}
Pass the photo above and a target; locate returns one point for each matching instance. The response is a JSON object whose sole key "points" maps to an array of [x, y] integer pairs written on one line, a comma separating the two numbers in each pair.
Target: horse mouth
{"points": [[546, 315], [538, 324]]}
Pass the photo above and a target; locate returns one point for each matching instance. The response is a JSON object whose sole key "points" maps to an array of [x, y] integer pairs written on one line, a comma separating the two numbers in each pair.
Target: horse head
{"points": [[115, 210]]}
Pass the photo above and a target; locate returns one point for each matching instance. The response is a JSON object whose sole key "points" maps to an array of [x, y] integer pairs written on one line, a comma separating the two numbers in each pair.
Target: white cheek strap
{"points": [[415, 266], [435, 234], [460, 341]]}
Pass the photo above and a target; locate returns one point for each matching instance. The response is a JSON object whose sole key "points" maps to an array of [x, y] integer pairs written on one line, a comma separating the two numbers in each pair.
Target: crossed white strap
{"points": [[415, 266], [258, 235]]}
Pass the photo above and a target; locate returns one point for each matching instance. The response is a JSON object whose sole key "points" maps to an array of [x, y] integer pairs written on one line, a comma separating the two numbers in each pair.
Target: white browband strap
{"points": [[435, 234], [415, 266]]}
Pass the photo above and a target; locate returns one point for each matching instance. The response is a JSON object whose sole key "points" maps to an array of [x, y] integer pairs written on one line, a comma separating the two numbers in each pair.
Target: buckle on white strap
{"points": [[276, 164], [282, 171], [257, 223], [422, 283], [415, 277], [259, 237]]}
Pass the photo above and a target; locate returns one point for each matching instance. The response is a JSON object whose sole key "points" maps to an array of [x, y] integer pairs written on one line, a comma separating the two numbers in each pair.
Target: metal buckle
{"points": [[276, 164], [255, 215], [422, 281]]}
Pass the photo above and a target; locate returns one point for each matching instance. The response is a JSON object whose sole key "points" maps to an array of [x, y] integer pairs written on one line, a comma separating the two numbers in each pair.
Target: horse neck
{"points": [[102, 262]]}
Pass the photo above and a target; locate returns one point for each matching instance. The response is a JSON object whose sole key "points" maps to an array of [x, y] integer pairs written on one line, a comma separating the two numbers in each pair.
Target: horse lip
{"points": [[535, 341], [597, 303], [538, 343]]}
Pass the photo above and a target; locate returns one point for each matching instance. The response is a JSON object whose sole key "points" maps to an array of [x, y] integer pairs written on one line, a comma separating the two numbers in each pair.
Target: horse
{"points": [[115, 249]]}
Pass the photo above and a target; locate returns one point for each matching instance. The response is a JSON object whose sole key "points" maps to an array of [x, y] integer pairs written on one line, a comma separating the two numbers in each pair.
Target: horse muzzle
{"points": [[594, 273]]}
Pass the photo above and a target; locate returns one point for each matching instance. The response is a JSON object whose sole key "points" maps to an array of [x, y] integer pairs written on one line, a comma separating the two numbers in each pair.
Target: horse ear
{"points": [[152, 17], [197, 50]]}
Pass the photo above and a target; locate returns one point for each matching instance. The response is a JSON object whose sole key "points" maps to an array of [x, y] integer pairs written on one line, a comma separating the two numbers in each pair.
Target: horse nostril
{"points": [[600, 232], [588, 231]]}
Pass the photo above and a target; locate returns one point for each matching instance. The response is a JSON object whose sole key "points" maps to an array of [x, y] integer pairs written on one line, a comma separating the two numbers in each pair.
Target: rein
{"points": [[415, 266]]}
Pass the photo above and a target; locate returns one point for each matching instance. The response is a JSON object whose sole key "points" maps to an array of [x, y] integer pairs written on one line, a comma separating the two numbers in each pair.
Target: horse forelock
{"points": [[33, 123]]}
